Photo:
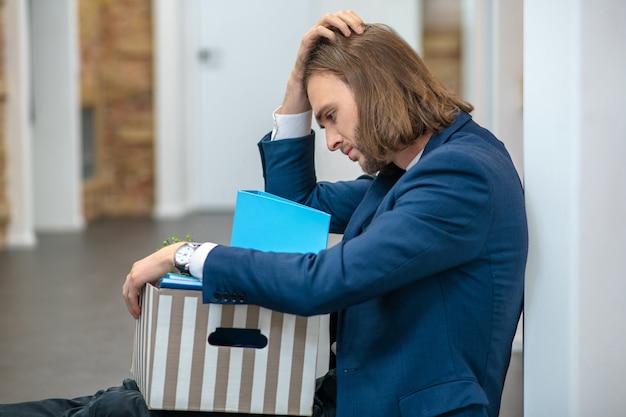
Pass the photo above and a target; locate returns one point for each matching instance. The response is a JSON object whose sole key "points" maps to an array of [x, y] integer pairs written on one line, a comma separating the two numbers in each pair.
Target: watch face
{"points": [[183, 254]]}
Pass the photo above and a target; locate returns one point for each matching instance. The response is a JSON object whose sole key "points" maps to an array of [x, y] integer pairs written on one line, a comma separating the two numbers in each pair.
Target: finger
{"points": [[352, 20], [316, 33], [344, 20], [131, 298], [132, 303]]}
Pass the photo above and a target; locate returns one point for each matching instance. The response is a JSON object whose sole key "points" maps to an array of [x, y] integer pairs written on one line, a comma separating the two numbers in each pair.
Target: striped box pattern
{"points": [[177, 369]]}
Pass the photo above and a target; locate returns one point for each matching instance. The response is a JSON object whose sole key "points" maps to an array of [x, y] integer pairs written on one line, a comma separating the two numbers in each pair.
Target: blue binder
{"points": [[269, 223], [180, 282]]}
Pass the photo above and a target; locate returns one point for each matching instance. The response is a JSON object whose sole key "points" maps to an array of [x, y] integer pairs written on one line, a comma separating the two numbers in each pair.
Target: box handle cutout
{"points": [[233, 337]]}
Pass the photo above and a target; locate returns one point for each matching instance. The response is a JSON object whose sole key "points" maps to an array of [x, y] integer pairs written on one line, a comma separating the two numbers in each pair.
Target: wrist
{"points": [[181, 258], [295, 100], [168, 256]]}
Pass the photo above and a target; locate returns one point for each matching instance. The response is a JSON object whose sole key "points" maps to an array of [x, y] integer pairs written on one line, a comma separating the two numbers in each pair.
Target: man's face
{"points": [[335, 111]]}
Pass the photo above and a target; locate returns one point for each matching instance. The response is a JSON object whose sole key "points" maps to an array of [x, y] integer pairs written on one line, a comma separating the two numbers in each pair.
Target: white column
{"points": [[18, 133], [169, 136], [492, 68], [56, 137], [477, 58], [574, 153]]}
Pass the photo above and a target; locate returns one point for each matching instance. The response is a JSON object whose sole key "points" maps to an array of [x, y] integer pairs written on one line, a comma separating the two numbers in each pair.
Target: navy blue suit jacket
{"points": [[427, 281]]}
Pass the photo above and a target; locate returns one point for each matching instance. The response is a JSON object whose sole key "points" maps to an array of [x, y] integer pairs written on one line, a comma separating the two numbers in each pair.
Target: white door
{"points": [[237, 55]]}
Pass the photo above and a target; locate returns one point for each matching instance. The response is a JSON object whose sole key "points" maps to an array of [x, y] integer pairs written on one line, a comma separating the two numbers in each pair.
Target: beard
{"points": [[369, 165], [372, 166]]}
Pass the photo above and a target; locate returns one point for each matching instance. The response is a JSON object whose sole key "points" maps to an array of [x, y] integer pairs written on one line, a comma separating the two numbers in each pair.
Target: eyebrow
{"points": [[320, 113]]}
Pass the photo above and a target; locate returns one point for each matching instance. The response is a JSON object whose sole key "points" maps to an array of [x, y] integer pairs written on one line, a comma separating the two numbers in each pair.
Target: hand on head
{"points": [[347, 22]]}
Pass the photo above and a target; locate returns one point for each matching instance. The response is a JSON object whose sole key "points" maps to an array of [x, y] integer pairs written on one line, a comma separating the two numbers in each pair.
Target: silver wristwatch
{"points": [[182, 256]]}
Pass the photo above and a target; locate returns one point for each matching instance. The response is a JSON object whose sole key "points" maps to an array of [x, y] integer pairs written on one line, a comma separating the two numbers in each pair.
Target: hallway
{"points": [[65, 331]]}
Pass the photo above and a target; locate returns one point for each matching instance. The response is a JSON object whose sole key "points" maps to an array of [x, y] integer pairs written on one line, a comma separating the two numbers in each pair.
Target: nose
{"points": [[333, 140]]}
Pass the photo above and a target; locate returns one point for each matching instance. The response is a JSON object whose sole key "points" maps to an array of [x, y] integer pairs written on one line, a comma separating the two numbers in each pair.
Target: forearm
{"points": [[289, 166], [295, 100]]}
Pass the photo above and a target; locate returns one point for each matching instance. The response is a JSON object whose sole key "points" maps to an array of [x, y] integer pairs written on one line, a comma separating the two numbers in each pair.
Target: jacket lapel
{"points": [[378, 190]]}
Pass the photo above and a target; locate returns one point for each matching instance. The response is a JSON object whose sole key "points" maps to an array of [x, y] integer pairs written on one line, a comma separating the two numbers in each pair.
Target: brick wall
{"points": [[116, 83], [442, 41]]}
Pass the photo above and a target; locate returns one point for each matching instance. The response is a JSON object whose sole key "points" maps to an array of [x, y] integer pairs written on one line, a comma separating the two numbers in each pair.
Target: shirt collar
{"points": [[414, 161]]}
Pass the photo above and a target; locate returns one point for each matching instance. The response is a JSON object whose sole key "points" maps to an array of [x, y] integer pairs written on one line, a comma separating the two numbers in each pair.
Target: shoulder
{"points": [[464, 165], [471, 148], [462, 155]]}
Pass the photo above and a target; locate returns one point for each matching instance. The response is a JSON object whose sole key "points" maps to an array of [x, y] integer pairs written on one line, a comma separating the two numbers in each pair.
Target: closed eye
{"points": [[330, 117], [323, 116]]}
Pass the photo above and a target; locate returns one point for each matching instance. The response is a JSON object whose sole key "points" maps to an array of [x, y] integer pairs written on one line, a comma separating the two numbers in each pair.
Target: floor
{"points": [[64, 329]]}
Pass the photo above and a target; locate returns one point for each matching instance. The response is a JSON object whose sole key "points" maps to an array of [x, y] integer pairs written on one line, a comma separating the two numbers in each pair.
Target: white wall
{"points": [[574, 150], [602, 336]]}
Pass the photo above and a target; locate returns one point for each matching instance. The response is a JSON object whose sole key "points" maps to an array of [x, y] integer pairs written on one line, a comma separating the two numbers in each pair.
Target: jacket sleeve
{"points": [[437, 217], [289, 172]]}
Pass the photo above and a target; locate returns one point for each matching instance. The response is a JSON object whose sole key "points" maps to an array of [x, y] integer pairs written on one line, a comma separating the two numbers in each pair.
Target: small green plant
{"points": [[174, 239]]}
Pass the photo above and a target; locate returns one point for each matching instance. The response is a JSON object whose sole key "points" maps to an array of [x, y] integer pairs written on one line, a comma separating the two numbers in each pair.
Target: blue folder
{"points": [[269, 223], [180, 282]]}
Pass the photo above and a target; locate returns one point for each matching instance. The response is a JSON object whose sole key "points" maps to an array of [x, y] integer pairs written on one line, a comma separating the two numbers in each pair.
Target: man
{"points": [[426, 286], [428, 280]]}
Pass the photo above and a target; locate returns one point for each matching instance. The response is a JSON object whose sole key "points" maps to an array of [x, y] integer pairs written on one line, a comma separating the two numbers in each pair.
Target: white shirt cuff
{"points": [[196, 265], [288, 126]]}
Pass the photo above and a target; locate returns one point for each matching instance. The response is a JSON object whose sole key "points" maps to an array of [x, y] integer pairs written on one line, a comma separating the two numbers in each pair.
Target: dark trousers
{"points": [[122, 401], [127, 401]]}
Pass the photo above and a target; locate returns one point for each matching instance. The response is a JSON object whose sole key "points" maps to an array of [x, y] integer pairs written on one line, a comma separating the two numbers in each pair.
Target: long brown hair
{"points": [[397, 97]]}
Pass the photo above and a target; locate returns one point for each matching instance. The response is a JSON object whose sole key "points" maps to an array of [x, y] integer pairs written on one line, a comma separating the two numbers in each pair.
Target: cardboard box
{"points": [[176, 368], [235, 358]]}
